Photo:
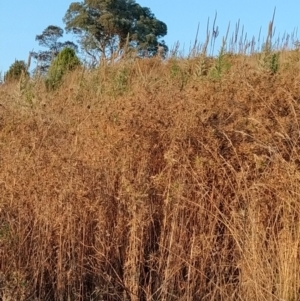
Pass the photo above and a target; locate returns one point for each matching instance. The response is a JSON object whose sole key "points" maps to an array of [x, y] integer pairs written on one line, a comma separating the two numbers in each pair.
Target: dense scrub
{"points": [[16, 70], [150, 180]]}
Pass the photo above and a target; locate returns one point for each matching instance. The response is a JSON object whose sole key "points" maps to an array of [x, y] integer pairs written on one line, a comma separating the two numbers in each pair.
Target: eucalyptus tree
{"points": [[107, 27], [49, 39]]}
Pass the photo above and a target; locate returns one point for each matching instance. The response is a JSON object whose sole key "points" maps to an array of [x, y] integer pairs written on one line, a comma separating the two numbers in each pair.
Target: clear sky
{"points": [[21, 21]]}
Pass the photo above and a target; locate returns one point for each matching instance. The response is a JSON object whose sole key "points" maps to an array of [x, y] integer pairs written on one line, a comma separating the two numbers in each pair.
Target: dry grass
{"points": [[153, 181]]}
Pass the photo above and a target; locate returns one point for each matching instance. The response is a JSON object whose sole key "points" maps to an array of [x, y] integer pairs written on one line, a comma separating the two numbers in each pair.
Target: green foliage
{"points": [[15, 71], [269, 60], [50, 39], [221, 64], [66, 61], [175, 70], [274, 62], [121, 81], [180, 74], [112, 26]]}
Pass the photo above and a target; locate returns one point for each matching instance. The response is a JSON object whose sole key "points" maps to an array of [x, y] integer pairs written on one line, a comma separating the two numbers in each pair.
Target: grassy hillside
{"points": [[153, 180]]}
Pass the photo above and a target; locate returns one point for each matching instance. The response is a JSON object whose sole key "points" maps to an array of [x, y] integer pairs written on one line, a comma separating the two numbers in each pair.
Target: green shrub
{"points": [[269, 58], [65, 61], [221, 65], [15, 71]]}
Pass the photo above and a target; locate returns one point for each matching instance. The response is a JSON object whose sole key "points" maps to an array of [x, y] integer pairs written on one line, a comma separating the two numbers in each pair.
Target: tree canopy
{"points": [[109, 26], [49, 38]]}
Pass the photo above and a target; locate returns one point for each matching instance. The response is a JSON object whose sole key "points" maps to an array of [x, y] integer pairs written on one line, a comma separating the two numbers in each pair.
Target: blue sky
{"points": [[21, 21]]}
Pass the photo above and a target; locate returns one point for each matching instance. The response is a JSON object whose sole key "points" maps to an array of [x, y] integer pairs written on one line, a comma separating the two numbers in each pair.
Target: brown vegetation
{"points": [[152, 180]]}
